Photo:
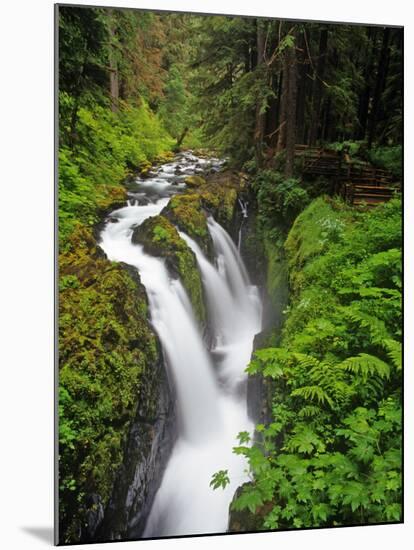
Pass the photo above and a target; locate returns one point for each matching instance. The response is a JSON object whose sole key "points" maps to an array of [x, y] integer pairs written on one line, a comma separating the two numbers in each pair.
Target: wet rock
{"points": [[160, 238], [94, 516]]}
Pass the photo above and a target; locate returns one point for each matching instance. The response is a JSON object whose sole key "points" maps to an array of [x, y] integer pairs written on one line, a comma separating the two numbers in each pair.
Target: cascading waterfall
{"points": [[243, 208], [172, 317], [211, 395]]}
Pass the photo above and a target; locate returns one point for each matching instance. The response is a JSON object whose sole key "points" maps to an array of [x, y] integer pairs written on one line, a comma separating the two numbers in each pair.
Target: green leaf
{"points": [[393, 512], [220, 479], [243, 437]]}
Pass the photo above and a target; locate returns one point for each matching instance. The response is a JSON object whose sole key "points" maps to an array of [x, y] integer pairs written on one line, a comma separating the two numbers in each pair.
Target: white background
{"points": [[26, 273]]}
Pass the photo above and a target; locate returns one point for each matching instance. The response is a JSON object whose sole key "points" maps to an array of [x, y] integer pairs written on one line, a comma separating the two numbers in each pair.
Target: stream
{"points": [[210, 384]]}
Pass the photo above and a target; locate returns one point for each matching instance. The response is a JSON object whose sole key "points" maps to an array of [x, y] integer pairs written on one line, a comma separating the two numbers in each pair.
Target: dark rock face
{"points": [[259, 389], [151, 439], [94, 516], [259, 393]]}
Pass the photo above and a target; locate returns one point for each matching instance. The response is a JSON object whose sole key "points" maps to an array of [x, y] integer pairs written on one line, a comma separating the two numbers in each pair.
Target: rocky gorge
{"points": [[118, 494]]}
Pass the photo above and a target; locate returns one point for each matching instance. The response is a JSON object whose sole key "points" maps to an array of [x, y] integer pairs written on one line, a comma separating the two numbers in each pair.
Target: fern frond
{"points": [[394, 352], [366, 365], [375, 326], [313, 393], [309, 411]]}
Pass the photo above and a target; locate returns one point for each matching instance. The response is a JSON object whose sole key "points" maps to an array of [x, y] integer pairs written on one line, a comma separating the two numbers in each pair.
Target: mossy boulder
{"points": [[220, 201], [165, 156], [186, 212], [110, 198], [194, 182], [217, 196], [144, 168], [161, 238]]}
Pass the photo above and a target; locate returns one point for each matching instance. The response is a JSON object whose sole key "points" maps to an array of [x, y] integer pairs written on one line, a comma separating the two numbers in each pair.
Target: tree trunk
{"points": [[272, 115], [260, 118], [181, 139], [379, 85], [364, 97], [113, 66], [283, 86], [317, 87], [301, 93], [291, 100]]}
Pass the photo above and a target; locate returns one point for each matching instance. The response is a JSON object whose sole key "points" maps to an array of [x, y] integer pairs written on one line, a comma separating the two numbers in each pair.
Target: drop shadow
{"points": [[44, 534]]}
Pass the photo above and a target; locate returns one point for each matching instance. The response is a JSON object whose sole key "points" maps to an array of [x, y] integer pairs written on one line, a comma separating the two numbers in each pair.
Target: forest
{"points": [[304, 121]]}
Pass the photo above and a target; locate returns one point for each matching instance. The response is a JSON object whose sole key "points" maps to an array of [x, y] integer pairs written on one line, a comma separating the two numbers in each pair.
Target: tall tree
{"points": [[260, 118], [113, 64], [382, 70], [318, 79], [290, 67]]}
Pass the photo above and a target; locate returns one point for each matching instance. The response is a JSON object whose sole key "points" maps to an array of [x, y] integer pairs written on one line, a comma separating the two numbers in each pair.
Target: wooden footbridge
{"points": [[358, 182]]}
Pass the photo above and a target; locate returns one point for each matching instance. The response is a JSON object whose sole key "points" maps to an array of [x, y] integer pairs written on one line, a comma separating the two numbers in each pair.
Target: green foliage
{"points": [[173, 109], [347, 146], [220, 479], [109, 145], [388, 158], [332, 453], [279, 200]]}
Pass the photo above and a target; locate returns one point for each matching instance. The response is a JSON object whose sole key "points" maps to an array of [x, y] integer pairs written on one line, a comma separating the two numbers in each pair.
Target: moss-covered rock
{"points": [[194, 181], [106, 347], [217, 196], [161, 238], [186, 211]]}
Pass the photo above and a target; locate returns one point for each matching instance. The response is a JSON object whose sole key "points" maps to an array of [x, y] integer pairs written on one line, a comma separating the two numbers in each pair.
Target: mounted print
{"points": [[229, 274]]}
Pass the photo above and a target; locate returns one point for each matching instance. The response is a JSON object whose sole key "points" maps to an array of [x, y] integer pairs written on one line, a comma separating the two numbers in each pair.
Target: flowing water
{"points": [[210, 384]]}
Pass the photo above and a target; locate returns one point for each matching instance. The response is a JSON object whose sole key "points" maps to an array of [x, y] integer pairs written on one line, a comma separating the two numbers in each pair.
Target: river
{"points": [[210, 384]]}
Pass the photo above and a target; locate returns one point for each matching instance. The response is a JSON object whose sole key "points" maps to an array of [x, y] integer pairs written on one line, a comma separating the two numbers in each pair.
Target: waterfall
{"points": [[229, 257], [210, 387], [243, 208], [236, 315], [185, 504], [173, 320]]}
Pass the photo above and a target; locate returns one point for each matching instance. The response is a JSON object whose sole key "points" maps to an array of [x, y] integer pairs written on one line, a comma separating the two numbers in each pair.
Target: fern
{"points": [[366, 365], [375, 327], [313, 393], [394, 352]]}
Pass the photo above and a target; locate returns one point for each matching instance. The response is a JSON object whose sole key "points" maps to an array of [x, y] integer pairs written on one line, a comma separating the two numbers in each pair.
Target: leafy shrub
{"points": [[353, 148], [388, 158], [278, 198]]}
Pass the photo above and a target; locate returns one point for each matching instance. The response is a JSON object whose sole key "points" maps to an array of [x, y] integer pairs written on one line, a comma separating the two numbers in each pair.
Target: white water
{"points": [[210, 392]]}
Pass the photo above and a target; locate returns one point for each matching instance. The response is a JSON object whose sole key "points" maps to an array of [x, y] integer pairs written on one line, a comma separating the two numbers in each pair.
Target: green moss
{"points": [[109, 147], [186, 212], [217, 196], [160, 238], [106, 347], [320, 224], [194, 181], [276, 265], [221, 201]]}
